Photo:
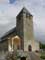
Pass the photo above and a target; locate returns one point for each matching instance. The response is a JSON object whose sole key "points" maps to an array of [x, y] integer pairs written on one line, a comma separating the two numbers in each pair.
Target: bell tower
{"points": [[24, 25]]}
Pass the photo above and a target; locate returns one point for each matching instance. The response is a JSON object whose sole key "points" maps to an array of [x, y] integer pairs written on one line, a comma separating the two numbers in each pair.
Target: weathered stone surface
{"points": [[24, 26]]}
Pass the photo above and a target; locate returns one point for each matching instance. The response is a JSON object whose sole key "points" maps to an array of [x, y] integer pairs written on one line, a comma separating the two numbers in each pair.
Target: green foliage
{"points": [[42, 55], [42, 46], [15, 55], [12, 55]]}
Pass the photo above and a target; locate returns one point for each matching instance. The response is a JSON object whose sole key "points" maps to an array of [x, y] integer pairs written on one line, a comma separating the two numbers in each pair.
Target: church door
{"points": [[29, 48]]}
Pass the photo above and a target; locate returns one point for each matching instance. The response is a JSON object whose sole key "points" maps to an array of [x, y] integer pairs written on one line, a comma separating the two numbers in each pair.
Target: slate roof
{"points": [[24, 10], [9, 33]]}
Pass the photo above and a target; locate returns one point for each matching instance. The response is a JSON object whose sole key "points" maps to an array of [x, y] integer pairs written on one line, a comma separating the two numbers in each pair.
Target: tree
{"points": [[42, 46]]}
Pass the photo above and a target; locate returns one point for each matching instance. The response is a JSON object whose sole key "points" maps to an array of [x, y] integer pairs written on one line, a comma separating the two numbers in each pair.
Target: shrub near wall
{"points": [[12, 55], [16, 54], [42, 55]]}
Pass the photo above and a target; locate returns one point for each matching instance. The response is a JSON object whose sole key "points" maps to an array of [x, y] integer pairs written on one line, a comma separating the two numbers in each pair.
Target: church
{"points": [[21, 36]]}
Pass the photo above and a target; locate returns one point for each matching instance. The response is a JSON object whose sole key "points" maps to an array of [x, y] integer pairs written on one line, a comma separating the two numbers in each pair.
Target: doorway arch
{"points": [[16, 42], [29, 48]]}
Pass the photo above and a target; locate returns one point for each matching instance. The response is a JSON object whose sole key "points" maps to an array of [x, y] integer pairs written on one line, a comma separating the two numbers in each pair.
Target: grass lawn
{"points": [[42, 55]]}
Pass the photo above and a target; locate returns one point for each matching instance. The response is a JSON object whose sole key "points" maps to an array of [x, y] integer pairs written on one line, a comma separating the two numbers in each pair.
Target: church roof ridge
{"points": [[22, 10], [9, 32]]}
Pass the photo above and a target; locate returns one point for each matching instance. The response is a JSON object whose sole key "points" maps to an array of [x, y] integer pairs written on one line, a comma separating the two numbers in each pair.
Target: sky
{"points": [[10, 8]]}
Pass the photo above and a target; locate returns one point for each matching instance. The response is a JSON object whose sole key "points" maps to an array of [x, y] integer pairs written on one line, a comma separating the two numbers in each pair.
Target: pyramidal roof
{"points": [[24, 10]]}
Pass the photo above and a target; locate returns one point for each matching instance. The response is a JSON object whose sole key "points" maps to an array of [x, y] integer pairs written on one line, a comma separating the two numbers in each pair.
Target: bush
{"points": [[15, 55], [43, 57], [12, 55]]}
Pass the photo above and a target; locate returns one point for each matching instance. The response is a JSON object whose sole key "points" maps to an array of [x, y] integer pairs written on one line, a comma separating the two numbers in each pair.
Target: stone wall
{"points": [[4, 46]]}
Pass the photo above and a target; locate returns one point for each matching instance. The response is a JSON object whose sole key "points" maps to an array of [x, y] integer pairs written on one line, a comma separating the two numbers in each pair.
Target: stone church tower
{"points": [[21, 36], [24, 26]]}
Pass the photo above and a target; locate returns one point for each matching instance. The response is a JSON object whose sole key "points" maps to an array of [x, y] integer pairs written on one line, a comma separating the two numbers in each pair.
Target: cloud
{"points": [[4, 22], [11, 1], [4, 1], [3, 19], [36, 8], [11, 11]]}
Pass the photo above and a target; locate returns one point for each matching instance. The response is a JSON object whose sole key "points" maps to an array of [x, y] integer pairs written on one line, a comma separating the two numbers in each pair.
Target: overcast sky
{"points": [[10, 8]]}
